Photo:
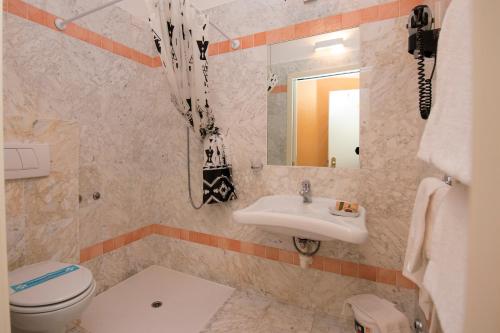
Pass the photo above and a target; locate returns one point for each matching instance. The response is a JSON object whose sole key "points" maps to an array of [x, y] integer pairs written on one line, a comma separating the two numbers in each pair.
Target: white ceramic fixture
{"points": [[156, 300], [49, 306], [289, 215]]}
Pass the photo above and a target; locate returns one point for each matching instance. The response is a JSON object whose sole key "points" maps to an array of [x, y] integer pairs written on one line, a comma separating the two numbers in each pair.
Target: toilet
{"points": [[46, 296]]}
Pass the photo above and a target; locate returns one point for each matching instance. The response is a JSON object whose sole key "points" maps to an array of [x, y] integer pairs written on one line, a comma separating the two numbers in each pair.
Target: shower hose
{"points": [[189, 172]]}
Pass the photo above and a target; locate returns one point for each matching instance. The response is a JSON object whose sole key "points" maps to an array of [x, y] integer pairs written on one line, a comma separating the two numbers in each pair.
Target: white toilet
{"points": [[47, 296]]}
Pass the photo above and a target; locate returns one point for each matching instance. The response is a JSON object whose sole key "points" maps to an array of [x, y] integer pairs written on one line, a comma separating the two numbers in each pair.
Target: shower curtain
{"points": [[180, 34]]}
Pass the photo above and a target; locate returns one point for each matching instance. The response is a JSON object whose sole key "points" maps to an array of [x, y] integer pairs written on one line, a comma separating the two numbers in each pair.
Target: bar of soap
{"points": [[348, 207], [345, 208]]}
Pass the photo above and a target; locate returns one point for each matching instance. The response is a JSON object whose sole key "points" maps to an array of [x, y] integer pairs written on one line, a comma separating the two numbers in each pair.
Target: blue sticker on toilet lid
{"points": [[43, 278], [47, 282]]}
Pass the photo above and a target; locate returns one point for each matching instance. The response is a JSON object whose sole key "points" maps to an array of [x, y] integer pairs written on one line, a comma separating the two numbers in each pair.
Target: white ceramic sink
{"points": [[288, 215]]}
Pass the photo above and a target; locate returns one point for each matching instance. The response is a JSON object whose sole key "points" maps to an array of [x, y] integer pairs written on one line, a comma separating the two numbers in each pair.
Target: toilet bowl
{"points": [[47, 296]]}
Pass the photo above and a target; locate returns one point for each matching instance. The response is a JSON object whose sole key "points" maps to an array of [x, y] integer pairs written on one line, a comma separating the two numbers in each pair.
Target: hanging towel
{"points": [[217, 172], [446, 141], [430, 195], [444, 277], [385, 315]]}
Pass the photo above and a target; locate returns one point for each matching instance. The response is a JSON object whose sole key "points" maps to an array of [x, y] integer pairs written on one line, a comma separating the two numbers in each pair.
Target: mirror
{"points": [[313, 101]]}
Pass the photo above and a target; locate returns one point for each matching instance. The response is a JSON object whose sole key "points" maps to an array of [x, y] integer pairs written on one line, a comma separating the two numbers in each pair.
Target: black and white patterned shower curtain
{"points": [[181, 37]]}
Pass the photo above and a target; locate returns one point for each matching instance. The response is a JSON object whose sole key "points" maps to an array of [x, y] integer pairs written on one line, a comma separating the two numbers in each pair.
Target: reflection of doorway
{"points": [[311, 121], [343, 131]]}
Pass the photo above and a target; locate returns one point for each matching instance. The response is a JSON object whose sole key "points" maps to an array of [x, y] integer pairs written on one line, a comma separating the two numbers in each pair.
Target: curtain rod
{"points": [[235, 43], [61, 24]]}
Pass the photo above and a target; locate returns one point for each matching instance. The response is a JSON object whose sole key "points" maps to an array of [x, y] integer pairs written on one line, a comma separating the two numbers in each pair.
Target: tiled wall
{"points": [[385, 185], [42, 214], [132, 151], [346, 268], [91, 92], [390, 129], [32, 13], [349, 18]]}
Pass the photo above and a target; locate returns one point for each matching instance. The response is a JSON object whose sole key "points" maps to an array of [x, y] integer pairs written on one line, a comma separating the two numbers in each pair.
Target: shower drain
{"points": [[156, 304]]}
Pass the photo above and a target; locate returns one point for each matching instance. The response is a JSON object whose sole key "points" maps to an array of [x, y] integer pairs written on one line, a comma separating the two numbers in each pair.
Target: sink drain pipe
{"points": [[306, 248]]}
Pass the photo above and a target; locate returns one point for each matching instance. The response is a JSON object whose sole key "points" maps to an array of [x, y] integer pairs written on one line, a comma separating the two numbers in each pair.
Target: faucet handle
{"points": [[305, 191]]}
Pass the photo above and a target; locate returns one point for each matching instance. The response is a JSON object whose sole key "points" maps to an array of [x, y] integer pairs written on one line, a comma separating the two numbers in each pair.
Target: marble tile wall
{"points": [[307, 288], [110, 104], [132, 150], [390, 130], [241, 17], [276, 128], [42, 214], [112, 22], [385, 185]]}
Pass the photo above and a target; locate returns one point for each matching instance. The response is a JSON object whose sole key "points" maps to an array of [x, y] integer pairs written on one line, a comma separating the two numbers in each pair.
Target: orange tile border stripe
{"points": [[325, 264], [300, 30], [319, 26], [109, 245], [39, 16]]}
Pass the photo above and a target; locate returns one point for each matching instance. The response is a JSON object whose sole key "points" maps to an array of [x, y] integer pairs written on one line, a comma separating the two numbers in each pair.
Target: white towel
{"points": [[444, 277], [430, 195], [387, 318], [446, 142]]}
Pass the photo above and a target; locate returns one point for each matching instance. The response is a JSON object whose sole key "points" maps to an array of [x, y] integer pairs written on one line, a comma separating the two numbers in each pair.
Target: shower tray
{"points": [[156, 300]]}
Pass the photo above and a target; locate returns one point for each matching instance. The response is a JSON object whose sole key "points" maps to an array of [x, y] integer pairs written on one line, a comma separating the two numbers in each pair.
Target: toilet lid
{"points": [[47, 283]]}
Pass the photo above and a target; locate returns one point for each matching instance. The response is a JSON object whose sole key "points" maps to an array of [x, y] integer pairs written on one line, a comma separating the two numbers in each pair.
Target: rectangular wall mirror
{"points": [[313, 101]]}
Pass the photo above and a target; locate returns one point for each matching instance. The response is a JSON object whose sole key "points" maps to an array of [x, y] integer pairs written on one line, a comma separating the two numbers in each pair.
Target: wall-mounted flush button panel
{"points": [[12, 160], [26, 160]]}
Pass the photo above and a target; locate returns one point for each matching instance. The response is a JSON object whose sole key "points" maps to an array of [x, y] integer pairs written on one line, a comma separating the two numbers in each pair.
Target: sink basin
{"points": [[288, 215]]}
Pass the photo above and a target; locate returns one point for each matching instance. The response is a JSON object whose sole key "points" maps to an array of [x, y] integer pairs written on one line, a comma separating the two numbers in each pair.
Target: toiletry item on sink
{"points": [[345, 208]]}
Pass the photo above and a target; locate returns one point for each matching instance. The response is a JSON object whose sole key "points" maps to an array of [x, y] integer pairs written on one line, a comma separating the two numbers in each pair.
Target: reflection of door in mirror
{"points": [[326, 120], [343, 123], [304, 126]]}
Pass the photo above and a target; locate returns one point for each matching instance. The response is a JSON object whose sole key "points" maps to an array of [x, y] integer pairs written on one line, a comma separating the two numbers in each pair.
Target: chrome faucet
{"points": [[305, 191]]}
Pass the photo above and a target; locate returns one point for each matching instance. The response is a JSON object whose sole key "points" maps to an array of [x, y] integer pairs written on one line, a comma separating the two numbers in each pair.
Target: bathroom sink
{"points": [[288, 215]]}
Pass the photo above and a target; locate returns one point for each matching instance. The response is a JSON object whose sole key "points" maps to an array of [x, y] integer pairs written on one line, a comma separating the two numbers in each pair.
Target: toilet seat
{"points": [[54, 307], [51, 294]]}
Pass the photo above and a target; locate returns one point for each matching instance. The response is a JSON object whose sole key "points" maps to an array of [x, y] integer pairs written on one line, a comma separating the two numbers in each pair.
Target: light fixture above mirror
{"points": [[332, 45]]}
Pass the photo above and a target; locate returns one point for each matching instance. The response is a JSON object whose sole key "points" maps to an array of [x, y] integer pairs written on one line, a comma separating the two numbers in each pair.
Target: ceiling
{"points": [[138, 8]]}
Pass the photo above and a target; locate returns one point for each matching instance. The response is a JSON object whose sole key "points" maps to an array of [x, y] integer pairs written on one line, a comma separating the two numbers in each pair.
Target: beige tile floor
{"points": [[249, 312]]}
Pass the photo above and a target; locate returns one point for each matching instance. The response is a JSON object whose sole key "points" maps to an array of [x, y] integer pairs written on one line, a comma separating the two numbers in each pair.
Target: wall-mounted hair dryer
{"points": [[422, 43]]}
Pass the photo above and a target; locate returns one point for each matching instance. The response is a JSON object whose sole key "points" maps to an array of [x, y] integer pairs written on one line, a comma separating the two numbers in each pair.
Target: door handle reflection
{"points": [[333, 162]]}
